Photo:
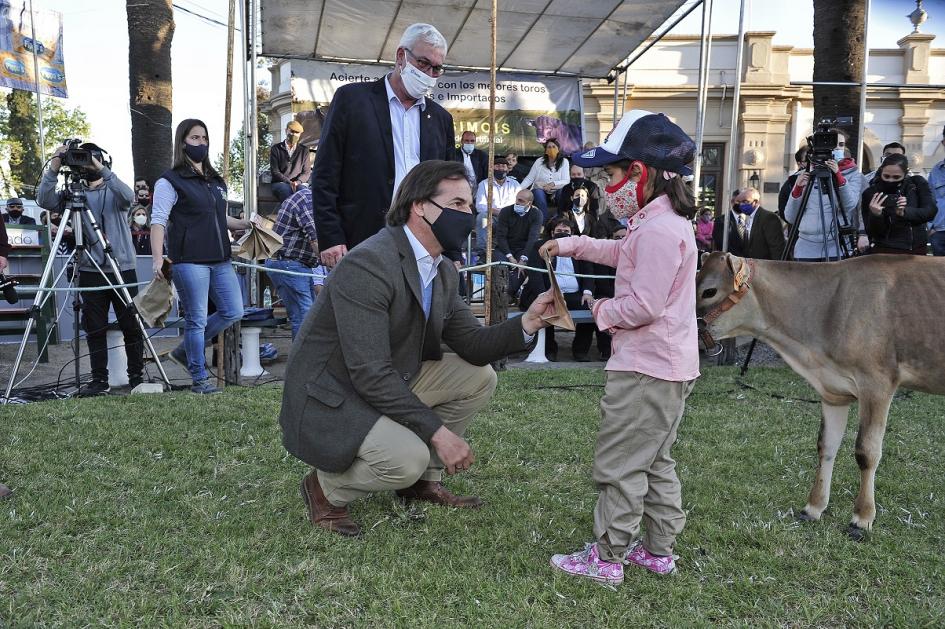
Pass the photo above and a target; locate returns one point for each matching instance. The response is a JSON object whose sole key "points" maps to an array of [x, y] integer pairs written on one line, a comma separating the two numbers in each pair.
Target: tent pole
{"points": [[488, 283], [39, 97], [623, 103], [616, 98], [733, 135], [705, 56]]}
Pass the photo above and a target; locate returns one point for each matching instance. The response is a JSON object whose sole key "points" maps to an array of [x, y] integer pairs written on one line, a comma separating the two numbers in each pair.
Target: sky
{"points": [[96, 57]]}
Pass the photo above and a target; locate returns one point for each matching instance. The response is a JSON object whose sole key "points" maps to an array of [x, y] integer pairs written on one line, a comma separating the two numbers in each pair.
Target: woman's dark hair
{"points": [[677, 190], [180, 158], [420, 184], [558, 160], [895, 160]]}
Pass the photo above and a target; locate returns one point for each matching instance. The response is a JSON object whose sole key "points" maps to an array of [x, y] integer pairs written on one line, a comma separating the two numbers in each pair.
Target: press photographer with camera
{"points": [[896, 209], [107, 199], [828, 158]]}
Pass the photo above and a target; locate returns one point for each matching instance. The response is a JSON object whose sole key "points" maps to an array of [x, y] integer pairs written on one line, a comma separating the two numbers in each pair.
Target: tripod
{"points": [[840, 233], [77, 210]]}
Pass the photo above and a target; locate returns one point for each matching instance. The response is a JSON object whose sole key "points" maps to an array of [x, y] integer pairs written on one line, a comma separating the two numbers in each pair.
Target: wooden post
{"points": [[228, 343], [499, 300], [491, 310]]}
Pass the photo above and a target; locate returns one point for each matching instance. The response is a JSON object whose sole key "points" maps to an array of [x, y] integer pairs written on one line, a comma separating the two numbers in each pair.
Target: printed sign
{"points": [[22, 41]]}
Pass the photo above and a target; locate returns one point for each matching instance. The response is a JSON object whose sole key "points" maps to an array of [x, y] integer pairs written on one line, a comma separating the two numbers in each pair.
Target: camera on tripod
{"points": [[78, 157], [822, 143], [8, 288]]}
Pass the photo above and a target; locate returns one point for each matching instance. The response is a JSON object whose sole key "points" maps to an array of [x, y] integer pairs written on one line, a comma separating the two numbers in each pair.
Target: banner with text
{"points": [[529, 108], [22, 40]]}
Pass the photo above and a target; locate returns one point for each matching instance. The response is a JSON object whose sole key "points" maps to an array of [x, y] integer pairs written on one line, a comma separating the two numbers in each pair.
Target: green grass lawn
{"points": [[179, 510]]}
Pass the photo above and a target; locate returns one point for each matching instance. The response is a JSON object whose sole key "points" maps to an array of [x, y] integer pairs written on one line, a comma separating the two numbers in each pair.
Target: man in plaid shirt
{"points": [[299, 253]]}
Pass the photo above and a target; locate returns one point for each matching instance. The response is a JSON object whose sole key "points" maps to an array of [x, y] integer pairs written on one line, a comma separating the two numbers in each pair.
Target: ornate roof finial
{"points": [[918, 16]]}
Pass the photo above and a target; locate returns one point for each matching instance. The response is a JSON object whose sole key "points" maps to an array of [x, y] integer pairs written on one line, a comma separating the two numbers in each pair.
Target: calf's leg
{"points": [[869, 449], [833, 423]]}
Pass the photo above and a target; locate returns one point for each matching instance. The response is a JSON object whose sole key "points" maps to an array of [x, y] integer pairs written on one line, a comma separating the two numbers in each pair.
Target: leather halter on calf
{"points": [[742, 286]]}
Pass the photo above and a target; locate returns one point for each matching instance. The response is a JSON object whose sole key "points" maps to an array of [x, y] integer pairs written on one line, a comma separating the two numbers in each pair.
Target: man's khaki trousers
{"points": [[394, 457], [633, 467]]}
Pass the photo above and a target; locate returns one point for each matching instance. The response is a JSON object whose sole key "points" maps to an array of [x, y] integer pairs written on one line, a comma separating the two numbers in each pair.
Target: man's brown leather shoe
{"points": [[5, 492], [324, 514], [435, 492]]}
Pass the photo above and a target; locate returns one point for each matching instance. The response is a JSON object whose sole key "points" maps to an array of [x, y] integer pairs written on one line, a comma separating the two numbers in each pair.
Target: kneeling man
{"points": [[371, 401]]}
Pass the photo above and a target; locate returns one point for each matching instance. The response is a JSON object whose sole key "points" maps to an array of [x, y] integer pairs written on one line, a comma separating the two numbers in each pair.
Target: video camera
{"points": [[821, 145], [8, 288], [77, 159]]}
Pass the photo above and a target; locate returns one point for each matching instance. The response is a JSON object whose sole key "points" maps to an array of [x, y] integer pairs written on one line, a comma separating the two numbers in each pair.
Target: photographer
{"points": [[817, 235], [107, 198], [896, 208]]}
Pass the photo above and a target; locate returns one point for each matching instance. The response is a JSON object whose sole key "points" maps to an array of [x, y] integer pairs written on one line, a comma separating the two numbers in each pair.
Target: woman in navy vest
{"points": [[190, 204]]}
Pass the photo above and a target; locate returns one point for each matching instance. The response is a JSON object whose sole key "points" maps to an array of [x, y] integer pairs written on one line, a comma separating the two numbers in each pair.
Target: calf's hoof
{"points": [[857, 533], [804, 516]]}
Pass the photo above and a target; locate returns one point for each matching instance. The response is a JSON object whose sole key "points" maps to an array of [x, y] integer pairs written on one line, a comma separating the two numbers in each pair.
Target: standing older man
{"points": [[370, 399], [373, 135], [761, 231]]}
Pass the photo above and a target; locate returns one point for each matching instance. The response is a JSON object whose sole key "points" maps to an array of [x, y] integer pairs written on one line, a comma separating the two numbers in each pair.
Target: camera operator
{"points": [[897, 207], [108, 200], [817, 237]]}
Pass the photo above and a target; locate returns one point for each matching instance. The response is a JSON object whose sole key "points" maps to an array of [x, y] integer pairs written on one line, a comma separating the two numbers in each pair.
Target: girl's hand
{"points": [[549, 249], [876, 204]]}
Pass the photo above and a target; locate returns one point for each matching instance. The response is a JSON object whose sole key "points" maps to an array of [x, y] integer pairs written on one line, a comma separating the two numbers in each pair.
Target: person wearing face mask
{"points": [[549, 173], [190, 207], [655, 359], [371, 401], [107, 199], [515, 232], [937, 225], [289, 163], [577, 291], [140, 230], [15, 215], [390, 124], [814, 242], [503, 195], [54, 221], [579, 182], [736, 231], [897, 208], [475, 162], [760, 231], [704, 228]]}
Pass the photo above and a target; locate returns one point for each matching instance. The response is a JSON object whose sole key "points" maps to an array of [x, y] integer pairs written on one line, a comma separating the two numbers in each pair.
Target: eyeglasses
{"points": [[425, 65]]}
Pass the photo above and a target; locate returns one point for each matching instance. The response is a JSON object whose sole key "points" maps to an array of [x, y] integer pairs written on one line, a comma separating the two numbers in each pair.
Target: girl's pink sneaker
{"points": [[659, 564], [587, 563]]}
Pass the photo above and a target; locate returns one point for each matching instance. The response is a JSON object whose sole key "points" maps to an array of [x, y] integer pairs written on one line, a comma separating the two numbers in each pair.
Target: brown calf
{"points": [[855, 330]]}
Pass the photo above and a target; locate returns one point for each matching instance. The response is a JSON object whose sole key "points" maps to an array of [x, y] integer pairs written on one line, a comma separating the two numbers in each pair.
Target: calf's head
{"points": [[722, 288]]}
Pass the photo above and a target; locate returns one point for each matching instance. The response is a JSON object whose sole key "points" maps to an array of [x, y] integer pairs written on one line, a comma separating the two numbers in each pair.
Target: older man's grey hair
{"points": [[425, 33]]}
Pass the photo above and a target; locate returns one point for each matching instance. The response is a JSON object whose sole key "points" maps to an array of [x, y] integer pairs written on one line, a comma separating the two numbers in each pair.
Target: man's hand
{"points": [[3, 264], [863, 243], [99, 166], [333, 255], [531, 320], [56, 160], [802, 179], [156, 268], [452, 450], [294, 185], [587, 299], [549, 249]]}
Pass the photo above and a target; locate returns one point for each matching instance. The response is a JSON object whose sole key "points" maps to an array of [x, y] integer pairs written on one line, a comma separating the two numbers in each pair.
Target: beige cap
{"points": [[295, 125]]}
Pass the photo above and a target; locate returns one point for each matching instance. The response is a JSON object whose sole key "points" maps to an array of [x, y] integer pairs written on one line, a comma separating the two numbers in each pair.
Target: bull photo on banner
{"points": [[22, 40], [529, 108]]}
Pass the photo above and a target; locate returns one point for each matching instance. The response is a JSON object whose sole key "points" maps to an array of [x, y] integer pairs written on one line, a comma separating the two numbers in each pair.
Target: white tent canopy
{"points": [[585, 38]]}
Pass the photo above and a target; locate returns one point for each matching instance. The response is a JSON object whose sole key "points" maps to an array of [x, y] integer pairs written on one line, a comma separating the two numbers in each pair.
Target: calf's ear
{"points": [[734, 263], [703, 257]]}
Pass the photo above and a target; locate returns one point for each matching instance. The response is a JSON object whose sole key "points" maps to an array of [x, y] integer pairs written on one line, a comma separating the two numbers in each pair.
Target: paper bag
{"points": [[560, 318], [154, 302], [260, 242]]}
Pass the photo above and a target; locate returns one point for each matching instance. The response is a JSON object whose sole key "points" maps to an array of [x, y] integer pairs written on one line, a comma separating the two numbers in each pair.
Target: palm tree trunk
{"points": [[839, 55], [150, 32]]}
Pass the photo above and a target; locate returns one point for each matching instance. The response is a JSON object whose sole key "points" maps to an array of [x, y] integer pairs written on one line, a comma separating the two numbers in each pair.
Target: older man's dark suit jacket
{"points": [[353, 179], [362, 345]]}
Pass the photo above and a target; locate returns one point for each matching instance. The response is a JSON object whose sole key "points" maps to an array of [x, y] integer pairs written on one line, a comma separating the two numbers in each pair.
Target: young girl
{"points": [[654, 360]]}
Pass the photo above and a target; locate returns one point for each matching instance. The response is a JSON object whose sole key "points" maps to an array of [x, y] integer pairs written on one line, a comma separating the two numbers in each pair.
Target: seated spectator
{"points": [[139, 218], [515, 233], [549, 173], [503, 195], [15, 215], [576, 211], [704, 228], [896, 208], [517, 171], [54, 220], [289, 163], [760, 231], [142, 191], [474, 160], [579, 181], [577, 291], [800, 157]]}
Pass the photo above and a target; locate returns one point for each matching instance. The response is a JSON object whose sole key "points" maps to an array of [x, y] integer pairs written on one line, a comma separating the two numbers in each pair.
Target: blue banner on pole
{"points": [[25, 37]]}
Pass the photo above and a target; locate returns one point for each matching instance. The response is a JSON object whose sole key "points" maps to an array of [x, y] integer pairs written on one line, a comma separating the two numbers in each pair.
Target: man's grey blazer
{"points": [[361, 346]]}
